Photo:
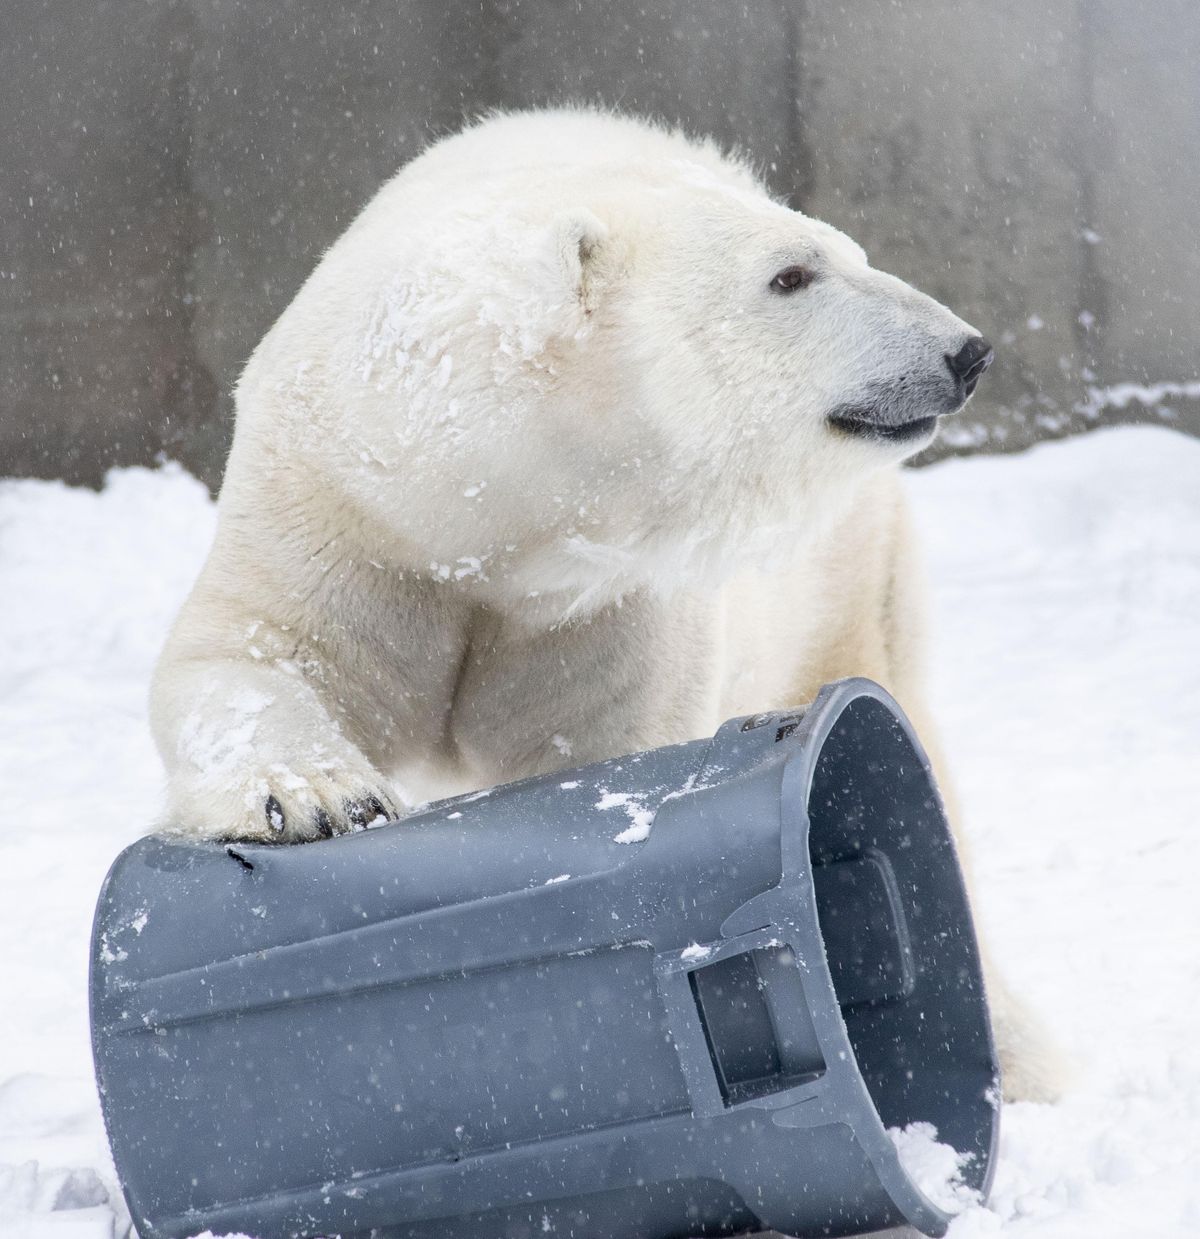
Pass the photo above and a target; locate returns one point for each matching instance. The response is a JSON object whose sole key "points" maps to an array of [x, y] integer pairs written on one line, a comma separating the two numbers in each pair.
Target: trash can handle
{"points": [[739, 1022]]}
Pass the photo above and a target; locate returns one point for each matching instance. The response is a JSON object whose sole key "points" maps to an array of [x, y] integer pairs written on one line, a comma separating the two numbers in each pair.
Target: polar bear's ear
{"points": [[578, 239]]}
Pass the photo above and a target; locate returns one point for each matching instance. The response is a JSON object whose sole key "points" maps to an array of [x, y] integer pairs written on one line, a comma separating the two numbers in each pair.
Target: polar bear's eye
{"points": [[791, 278]]}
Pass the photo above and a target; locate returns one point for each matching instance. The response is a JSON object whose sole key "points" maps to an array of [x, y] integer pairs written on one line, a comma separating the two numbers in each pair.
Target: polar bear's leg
{"points": [[1032, 1067], [252, 753], [878, 631]]}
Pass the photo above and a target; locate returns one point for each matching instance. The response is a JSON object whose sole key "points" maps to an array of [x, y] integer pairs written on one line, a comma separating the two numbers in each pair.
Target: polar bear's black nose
{"points": [[969, 363]]}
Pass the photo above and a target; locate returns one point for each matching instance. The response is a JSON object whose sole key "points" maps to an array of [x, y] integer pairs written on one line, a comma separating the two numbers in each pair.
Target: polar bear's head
{"points": [[599, 354], [767, 324], [748, 357]]}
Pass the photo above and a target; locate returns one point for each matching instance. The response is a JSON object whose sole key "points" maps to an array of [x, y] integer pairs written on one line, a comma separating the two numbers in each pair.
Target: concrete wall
{"points": [[1030, 164], [170, 171]]}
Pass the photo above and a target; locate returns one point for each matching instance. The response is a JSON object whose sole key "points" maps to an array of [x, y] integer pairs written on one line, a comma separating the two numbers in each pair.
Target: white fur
{"points": [[536, 469]]}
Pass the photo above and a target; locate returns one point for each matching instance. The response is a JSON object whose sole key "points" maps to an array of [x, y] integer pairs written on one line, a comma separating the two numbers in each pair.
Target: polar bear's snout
{"points": [[906, 408]]}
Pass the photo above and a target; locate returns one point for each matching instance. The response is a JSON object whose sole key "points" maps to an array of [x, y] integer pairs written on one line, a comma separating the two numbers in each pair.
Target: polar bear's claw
{"points": [[367, 810], [275, 818], [302, 822], [299, 823]]}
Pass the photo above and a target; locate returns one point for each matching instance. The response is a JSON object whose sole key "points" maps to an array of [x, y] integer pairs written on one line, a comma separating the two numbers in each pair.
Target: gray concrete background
{"points": [[171, 170]]}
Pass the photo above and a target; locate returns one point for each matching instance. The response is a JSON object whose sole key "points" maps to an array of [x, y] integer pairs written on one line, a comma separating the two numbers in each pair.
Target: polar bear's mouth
{"points": [[862, 425]]}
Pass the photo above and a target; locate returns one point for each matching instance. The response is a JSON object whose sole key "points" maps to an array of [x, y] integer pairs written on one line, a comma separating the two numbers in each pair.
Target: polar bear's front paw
{"points": [[282, 804]]}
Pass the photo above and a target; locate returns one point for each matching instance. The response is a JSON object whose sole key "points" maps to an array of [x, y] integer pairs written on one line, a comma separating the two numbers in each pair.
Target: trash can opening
{"points": [[895, 924]]}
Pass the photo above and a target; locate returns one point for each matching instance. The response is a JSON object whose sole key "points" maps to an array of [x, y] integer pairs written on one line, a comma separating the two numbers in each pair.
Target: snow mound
{"points": [[934, 1167]]}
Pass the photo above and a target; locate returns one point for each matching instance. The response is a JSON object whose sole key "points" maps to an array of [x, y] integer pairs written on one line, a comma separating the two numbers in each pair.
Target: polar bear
{"points": [[577, 442]]}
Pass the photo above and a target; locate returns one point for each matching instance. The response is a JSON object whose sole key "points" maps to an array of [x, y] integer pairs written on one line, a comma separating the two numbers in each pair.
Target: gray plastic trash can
{"points": [[527, 1012]]}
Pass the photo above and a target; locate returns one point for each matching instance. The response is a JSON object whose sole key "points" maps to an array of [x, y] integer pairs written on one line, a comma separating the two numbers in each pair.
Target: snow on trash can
{"points": [[707, 989]]}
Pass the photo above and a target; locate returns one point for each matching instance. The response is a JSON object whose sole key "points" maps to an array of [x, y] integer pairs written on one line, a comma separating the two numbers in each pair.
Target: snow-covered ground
{"points": [[1066, 668]]}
